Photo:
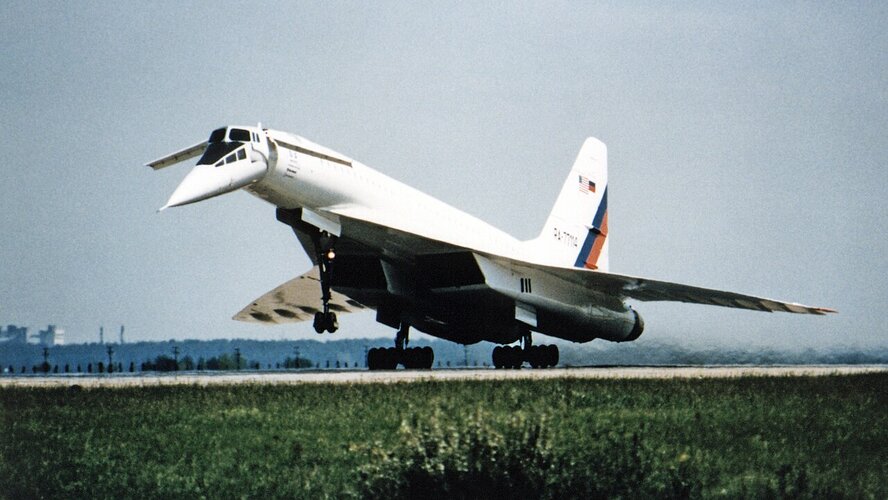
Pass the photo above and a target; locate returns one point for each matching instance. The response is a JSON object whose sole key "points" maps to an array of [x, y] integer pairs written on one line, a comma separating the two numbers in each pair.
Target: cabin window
{"points": [[241, 154], [229, 159], [239, 135], [218, 135]]}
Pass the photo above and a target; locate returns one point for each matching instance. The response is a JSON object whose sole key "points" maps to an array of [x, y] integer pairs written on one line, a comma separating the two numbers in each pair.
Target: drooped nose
{"points": [[207, 181], [204, 181]]}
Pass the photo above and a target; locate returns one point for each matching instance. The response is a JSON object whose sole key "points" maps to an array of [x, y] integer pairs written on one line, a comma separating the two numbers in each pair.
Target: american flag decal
{"points": [[586, 185]]}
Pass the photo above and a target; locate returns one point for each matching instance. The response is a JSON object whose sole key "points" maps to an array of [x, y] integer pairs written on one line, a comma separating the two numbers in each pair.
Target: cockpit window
{"points": [[218, 135], [218, 147], [238, 155], [216, 151], [240, 135]]}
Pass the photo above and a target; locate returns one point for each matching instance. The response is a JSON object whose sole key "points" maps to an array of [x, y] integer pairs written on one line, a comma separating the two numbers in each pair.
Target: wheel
{"points": [[428, 358], [373, 359], [320, 323], [507, 357], [551, 355], [410, 358], [533, 355], [518, 357], [497, 357], [332, 322], [391, 358]]}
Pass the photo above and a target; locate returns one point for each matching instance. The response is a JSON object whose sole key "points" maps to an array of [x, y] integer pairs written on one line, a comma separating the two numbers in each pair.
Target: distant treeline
{"points": [[255, 354]]}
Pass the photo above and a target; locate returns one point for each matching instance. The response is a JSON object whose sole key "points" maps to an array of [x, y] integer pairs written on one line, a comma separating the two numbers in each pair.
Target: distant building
{"points": [[51, 336], [14, 335]]}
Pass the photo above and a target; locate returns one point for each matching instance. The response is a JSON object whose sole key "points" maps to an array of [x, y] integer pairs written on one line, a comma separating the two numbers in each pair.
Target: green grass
{"points": [[750, 437]]}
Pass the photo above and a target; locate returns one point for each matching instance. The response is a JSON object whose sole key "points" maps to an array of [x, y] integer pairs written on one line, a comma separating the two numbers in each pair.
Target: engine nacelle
{"points": [[637, 329], [576, 326]]}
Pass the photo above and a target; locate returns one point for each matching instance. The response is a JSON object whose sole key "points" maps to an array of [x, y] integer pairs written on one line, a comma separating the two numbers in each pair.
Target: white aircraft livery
{"points": [[377, 244]]}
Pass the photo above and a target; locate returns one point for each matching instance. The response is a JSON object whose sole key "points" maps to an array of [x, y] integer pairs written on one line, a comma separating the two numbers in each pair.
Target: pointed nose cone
{"points": [[204, 181], [207, 181]]}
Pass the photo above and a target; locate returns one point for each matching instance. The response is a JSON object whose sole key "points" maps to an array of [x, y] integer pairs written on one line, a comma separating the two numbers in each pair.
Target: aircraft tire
{"points": [[332, 322], [373, 359], [410, 358], [319, 323], [427, 357], [497, 357], [534, 356], [391, 358], [551, 355], [516, 357]]}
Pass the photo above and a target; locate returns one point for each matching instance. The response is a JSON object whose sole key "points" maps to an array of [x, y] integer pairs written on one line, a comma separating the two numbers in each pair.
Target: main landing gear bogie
{"points": [[388, 358], [412, 358], [538, 356]]}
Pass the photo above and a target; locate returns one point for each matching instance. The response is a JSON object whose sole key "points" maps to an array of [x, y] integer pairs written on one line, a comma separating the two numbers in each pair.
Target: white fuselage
{"points": [[298, 179], [309, 176]]}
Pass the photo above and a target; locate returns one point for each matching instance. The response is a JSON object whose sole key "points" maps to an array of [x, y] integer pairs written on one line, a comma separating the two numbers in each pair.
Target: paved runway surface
{"points": [[363, 376]]}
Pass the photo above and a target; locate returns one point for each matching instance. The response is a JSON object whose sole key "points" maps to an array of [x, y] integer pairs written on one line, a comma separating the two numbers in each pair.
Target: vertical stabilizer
{"points": [[576, 231]]}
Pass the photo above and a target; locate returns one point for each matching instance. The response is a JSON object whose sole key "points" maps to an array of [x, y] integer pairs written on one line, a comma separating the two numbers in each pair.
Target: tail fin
{"points": [[576, 231]]}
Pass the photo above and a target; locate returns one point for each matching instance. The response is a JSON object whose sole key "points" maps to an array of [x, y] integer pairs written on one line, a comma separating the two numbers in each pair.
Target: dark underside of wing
{"points": [[294, 301]]}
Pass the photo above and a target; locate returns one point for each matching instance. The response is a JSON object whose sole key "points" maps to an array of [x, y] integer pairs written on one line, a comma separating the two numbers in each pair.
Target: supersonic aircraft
{"points": [[378, 244]]}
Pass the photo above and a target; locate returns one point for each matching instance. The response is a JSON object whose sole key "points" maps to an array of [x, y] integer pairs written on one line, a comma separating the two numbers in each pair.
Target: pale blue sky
{"points": [[747, 144]]}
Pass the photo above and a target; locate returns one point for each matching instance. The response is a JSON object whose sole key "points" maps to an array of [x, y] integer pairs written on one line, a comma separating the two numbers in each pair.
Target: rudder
{"points": [[575, 234]]}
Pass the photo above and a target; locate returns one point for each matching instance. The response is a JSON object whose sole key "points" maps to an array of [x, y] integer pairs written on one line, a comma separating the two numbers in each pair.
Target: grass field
{"points": [[748, 437]]}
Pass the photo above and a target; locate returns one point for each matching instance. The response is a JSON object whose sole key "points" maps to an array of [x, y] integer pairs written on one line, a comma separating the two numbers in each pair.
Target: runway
{"points": [[405, 376]]}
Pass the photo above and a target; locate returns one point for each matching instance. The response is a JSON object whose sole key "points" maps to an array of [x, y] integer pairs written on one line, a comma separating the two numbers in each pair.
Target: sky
{"points": [[747, 146]]}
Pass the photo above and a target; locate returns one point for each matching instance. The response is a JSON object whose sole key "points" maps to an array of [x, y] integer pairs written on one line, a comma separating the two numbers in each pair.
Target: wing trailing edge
{"points": [[649, 290]]}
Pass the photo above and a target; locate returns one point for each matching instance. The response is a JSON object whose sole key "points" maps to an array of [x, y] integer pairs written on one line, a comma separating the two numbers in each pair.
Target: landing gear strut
{"points": [[381, 358], [538, 356], [325, 320]]}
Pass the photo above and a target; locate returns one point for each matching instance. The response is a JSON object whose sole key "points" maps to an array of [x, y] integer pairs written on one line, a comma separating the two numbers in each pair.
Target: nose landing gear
{"points": [[325, 320]]}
